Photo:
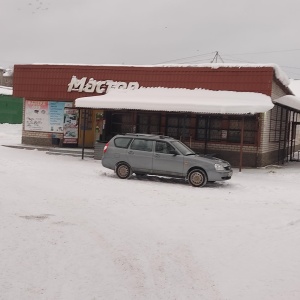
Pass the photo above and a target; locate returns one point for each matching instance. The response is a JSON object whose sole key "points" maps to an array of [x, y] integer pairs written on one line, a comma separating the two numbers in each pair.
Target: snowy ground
{"points": [[69, 229]]}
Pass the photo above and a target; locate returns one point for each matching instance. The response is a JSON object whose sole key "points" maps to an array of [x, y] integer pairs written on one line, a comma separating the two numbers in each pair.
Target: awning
{"points": [[180, 100], [290, 101]]}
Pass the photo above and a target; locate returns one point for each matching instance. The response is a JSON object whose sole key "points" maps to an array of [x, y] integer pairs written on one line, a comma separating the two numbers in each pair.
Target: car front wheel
{"points": [[123, 170], [197, 178]]}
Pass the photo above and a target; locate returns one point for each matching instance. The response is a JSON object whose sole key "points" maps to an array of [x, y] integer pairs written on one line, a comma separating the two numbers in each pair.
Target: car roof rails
{"points": [[158, 136], [139, 134]]}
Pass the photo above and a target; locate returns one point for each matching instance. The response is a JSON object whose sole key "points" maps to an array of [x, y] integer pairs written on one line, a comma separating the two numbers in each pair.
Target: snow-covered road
{"points": [[70, 229]]}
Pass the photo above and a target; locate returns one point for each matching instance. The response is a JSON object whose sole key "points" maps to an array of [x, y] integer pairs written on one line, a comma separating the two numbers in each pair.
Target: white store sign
{"points": [[100, 87]]}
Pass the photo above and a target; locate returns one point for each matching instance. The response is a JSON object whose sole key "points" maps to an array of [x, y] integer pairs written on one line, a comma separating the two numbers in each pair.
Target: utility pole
{"points": [[215, 59]]}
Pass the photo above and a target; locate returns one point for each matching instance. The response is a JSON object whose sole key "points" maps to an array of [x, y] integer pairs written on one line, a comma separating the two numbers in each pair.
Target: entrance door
{"points": [[93, 127], [87, 131]]}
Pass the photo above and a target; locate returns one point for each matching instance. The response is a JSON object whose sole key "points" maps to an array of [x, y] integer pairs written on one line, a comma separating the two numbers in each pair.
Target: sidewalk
{"points": [[56, 150]]}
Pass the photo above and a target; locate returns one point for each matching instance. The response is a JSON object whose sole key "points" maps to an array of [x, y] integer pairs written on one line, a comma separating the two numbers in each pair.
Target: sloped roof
{"points": [[295, 86], [293, 102]]}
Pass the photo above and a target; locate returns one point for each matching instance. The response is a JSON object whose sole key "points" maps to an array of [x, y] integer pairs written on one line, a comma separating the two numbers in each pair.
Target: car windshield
{"points": [[182, 148]]}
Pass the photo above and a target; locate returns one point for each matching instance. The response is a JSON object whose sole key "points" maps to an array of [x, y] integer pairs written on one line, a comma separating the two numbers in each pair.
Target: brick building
{"points": [[253, 123]]}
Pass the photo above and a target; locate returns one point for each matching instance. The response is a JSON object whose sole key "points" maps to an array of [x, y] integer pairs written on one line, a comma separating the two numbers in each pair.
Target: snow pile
{"points": [[180, 100], [8, 72], [6, 90]]}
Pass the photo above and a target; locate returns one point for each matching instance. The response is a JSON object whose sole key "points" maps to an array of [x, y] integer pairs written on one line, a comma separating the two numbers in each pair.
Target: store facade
{"points": [[255, 136]]}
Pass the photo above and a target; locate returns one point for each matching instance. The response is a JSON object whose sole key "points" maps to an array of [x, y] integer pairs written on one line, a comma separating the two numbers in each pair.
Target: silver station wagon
{"points": [[163, 156]]}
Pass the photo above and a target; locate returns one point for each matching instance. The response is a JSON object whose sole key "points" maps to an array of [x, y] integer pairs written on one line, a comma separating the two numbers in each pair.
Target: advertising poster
{"points": [[47, 116], [37, 116], [56, 116], [70, 125]]}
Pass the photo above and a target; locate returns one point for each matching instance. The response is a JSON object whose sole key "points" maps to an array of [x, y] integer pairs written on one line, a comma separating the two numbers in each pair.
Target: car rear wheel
{"points": [[197, 178], [123, 170]]}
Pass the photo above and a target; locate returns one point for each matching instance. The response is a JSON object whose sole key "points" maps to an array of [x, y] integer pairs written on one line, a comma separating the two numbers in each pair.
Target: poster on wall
{"points": [[47, 116], [70, 125], [37, 116], [56, 116]]}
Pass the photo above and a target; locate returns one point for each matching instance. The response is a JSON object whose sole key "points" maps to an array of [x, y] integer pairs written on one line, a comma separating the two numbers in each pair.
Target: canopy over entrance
{"points": [[180, 100], [293, 102]]}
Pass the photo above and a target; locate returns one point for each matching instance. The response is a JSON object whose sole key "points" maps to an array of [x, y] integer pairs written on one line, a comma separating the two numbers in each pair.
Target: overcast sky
{"points": [[150, 32]]}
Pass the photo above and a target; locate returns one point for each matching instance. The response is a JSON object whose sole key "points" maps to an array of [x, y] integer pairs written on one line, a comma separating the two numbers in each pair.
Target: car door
{"points": [[164, 160], [140, 155]]}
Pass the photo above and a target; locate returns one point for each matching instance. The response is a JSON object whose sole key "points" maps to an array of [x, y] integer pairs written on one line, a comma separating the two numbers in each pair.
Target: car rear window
{"points": [[122, 142]]}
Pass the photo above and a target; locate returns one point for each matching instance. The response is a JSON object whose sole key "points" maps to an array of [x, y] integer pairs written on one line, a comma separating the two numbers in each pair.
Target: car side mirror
{"points": [[174, 152]]}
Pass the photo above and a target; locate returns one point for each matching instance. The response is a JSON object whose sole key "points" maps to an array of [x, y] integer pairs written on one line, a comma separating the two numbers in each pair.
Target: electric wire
{"points": [[174, 60]]}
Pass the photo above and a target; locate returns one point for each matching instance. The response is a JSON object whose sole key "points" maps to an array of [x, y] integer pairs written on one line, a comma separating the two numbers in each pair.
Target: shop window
{"points": [[178, 126], [122, 123], [202, 128], [148, 123], [209, 128], [226, 129]]}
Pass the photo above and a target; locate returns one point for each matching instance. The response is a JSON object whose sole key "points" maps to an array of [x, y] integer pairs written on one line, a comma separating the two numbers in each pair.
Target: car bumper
{"points": [[219, 176]]}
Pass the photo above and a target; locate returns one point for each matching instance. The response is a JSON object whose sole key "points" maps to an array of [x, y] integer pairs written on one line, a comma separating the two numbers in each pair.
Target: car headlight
{"points": [[219, 167]]}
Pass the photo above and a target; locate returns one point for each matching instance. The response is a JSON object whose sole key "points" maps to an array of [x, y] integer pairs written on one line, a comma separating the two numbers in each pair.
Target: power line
{"points": [[195, 61], [174, 60], [290, 67], [265, 52]]}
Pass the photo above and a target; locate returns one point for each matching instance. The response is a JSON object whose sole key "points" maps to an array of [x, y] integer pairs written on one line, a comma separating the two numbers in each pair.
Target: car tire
{"points": [[197, 178], [123, 171]]}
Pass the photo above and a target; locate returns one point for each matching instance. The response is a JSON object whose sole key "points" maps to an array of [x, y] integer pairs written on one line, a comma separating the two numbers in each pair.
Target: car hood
{"points": [[209, 159]]}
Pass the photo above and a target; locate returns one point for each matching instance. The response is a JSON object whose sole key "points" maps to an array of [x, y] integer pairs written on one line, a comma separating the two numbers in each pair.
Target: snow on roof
{"points": [[8, 72], [279, 73], [180, 100], [289, 101], [6, 90], [295, 86]]}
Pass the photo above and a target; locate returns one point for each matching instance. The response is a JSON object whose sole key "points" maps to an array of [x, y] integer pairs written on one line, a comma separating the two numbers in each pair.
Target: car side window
{"points": [[122, 142], [142, 145], [163, 147]]}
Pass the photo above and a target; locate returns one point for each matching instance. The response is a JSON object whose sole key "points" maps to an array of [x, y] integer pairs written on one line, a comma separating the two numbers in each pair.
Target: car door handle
{"points": [[130, 152], [156, 155]]}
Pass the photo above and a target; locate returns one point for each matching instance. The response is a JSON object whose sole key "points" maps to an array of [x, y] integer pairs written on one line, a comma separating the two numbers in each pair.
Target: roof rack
{"points": [[160, 136], [139, 134]]}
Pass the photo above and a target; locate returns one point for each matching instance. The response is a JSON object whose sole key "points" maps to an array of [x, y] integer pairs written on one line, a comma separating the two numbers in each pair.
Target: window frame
{"points": [[226, 129]]}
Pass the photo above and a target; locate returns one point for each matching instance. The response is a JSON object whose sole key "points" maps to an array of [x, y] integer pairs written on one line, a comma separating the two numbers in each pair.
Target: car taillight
{"points": [[105, 148]]}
